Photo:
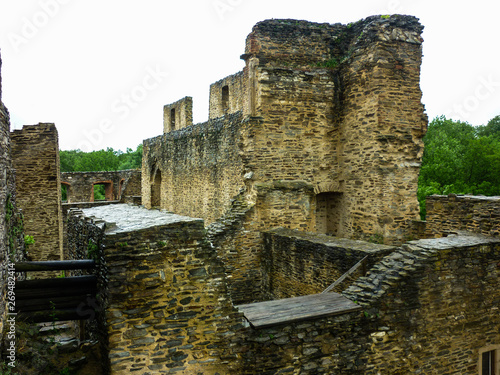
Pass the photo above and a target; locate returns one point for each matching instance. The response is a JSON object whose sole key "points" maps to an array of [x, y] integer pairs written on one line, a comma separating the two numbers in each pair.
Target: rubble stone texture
{"points": [[429, 306], [35, 155], [321, 131], [448, 214], [118, 184], [11, 220], [337, 107]]}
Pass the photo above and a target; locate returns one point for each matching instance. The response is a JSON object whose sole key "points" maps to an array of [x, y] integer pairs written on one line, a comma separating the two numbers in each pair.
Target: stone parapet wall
{"points": [[452, 213], [298, 263], [120, 184], [431, 305], [35, 156]]}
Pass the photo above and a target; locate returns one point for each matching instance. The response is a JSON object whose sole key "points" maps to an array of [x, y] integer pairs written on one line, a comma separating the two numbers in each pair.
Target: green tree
{"points": [[491, 129], [101, 160], [460, 159]]}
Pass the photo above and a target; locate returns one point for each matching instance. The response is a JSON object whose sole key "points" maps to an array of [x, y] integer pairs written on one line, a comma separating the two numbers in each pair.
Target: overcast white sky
{"points": [[101, 70]]}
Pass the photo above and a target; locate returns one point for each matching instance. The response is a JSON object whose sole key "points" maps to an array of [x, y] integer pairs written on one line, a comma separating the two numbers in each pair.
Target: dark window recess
{"points": [[172, 119], [225, 98], [488, 363]]}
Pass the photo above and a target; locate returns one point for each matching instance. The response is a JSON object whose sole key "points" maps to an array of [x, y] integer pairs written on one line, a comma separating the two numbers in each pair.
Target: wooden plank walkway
{"points": [[269, 313]]}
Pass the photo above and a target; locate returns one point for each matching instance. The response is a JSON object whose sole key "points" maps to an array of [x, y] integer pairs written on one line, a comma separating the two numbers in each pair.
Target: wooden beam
{"points": [[55, 265], [63, 282], [54, 315], [47, 293], [36, 304], [345, 275]]}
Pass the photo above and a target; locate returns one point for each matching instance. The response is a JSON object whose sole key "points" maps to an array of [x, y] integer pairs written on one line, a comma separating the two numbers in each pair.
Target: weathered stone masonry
{"points": [[11, 219], [352, 132], [430, 306], [119, 185], [436, 305], [299, 263], [321, 131], [166, 301], [290, 143], [35, 155], [448, 214]]}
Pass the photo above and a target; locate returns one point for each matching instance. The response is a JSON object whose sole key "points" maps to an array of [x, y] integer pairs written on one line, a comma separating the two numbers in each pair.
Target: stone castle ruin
{"points": [[322, 129], [282, 235]]}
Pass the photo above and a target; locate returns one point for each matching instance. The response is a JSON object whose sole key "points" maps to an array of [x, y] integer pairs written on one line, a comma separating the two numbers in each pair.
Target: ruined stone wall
{"points": [[292, 42], [335, 109], [167, 307], [349, 121], [382, 123], [328, 140], [80, 185], [195, 171], [297, 263], [35, 155], [178, 115], [448, 214], [11, 220], [431, 307], [227, 95], [435, 306]]}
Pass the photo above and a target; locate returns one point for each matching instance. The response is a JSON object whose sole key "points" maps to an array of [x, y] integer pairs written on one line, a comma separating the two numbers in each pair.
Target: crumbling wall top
{"points": [[306, 42]]}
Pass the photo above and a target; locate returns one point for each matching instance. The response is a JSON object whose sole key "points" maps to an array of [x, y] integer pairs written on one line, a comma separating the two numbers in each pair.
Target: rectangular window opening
{"points": [[172, 119], [489, 359], [99, 192], [102, 191], [225, 99]]}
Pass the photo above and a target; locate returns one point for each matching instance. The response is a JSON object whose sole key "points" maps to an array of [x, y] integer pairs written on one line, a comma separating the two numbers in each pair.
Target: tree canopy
{"points": [[460, 159], [102, 160]]}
